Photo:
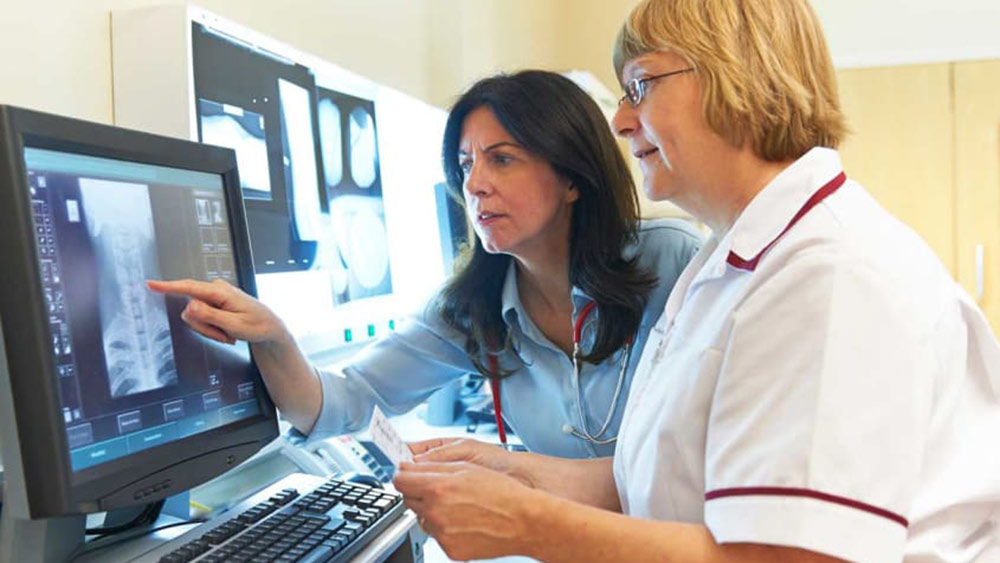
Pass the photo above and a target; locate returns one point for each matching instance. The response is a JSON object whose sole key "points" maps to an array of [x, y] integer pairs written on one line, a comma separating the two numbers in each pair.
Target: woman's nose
{"points": [[624, 122], [476, 180]]}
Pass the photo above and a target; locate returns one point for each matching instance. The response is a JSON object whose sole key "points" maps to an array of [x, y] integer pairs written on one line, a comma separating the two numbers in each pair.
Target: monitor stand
{"points": [[21, 538], [39, 541]]}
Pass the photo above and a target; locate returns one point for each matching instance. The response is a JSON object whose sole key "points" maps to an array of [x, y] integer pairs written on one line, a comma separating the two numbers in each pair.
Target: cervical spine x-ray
{"points": [[137, 345]]}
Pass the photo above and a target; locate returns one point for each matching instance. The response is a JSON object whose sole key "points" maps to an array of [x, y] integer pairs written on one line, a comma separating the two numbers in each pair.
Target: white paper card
{"points": [[388, 440]]}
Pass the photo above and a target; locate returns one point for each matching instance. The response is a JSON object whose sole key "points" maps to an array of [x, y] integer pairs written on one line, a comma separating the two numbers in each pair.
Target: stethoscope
{"points": [[583, 432]]}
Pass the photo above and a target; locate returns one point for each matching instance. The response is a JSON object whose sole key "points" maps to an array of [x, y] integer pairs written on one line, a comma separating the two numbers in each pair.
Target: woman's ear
{"points": [[572, 194]]}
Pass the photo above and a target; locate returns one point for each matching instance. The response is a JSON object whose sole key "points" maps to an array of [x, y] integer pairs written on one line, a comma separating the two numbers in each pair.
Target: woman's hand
{"points": [[443, 450], [224, 313], [471, 511]]}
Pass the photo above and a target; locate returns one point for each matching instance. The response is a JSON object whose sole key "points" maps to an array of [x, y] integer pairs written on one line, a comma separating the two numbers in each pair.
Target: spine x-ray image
{"points": [[137, 346]]}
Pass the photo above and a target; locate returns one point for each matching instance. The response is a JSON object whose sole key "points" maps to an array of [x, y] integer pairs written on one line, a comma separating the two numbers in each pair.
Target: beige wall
{"points": [[58, 51], [59, 57], [430, 49], [63, 47]]}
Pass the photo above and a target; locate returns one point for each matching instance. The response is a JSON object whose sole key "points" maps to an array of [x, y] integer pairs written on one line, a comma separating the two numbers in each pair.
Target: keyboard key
{"points": [[343, 536], [350, 514], [334, 524], [321, 553], [353, 527], [334, 543], [315, 516]]}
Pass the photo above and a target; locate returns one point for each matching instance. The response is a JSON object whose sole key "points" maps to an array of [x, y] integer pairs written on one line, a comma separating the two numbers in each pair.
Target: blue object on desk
{"points": [[443, 407]]}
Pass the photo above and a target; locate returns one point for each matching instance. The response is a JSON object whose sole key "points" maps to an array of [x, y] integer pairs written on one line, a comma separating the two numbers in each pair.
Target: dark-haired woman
{"points": [[554, 300]]}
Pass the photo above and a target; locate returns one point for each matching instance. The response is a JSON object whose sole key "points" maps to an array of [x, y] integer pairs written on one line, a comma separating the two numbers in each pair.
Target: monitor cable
{"points": [[89, 547], [148, 515]]}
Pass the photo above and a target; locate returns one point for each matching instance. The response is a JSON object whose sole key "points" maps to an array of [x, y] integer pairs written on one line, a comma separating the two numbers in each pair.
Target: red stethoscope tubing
{"points": [[494, 368]]}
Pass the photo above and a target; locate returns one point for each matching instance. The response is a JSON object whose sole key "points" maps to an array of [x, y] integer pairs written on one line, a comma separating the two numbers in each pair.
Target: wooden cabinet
{"points": [[900, 146], [924, 142], [977, 181]]}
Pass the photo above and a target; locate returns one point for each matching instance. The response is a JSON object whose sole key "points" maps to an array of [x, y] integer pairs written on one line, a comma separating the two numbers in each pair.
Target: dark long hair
{"points": [[553, 118]]}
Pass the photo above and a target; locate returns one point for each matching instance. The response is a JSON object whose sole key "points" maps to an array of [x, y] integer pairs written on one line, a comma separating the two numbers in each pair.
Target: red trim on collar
{"points": [[750, 265], [796, 492]]}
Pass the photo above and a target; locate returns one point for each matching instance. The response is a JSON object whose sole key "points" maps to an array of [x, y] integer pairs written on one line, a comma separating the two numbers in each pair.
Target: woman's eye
{"points": [[465, 165], [502, 159]]}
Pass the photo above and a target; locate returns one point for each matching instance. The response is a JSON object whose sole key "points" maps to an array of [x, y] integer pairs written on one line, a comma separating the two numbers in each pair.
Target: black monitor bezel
{"points": [[52, 487]]}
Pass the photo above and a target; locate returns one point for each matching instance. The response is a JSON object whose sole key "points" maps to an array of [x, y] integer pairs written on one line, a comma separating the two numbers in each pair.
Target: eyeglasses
{"points": [[635, 89]]}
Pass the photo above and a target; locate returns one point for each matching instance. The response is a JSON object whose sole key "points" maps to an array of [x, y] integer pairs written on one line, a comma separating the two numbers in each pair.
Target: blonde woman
{"points": [[817, 388]]}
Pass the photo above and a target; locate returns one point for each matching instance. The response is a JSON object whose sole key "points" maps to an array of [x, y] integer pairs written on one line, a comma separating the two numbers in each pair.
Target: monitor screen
{"points": [[132, 376]]}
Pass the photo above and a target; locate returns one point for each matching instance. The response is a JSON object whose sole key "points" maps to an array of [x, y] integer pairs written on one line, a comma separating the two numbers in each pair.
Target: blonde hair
{"points": [[764, 67]]}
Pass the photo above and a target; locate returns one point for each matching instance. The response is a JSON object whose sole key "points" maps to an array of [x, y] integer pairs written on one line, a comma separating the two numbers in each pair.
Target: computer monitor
{"points": [[107, 398]]}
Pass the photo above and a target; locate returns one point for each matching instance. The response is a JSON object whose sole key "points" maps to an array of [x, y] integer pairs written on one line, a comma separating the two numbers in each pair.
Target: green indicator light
{"points": [[392, 324], [371, 330], [347, 335]]}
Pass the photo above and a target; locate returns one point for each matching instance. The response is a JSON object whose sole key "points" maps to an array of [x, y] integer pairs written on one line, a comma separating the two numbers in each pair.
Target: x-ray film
{"points": [[358, 225], [137, 345], [357, 252], [330, 135], [304, 189], [364, 156], [242, 130]]}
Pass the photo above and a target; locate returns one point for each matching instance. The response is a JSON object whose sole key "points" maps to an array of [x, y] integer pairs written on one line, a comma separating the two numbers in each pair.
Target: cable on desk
{"points": [[148, 515], [89, 546]]}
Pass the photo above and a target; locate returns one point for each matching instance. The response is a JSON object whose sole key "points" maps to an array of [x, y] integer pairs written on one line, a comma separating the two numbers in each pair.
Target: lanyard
{"points": [[583, 434]]}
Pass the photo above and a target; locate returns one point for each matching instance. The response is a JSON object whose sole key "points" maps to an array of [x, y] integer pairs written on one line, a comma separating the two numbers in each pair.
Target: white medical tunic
{"points": [[818, 380]]}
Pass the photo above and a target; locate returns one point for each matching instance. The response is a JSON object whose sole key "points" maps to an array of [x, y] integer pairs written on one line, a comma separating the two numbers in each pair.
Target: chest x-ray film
{"points": [[242, 130], [137, 346]]}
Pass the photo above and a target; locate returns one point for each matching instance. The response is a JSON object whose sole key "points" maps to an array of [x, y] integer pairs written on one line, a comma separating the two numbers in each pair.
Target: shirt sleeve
{"points": [[668, 245], [817, 423], [396, 373]]}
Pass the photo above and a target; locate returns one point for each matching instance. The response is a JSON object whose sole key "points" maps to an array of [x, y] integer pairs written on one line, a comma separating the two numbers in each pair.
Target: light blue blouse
{"points": [[401, 370]]}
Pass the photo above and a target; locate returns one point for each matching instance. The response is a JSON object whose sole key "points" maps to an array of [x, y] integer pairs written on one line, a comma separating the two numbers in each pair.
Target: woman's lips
{"points": [[486, 218], [645, 153]]}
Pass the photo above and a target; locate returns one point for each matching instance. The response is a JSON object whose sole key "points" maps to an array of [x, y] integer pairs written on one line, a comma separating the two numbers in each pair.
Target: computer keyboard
{"points": [[333, 521]]}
